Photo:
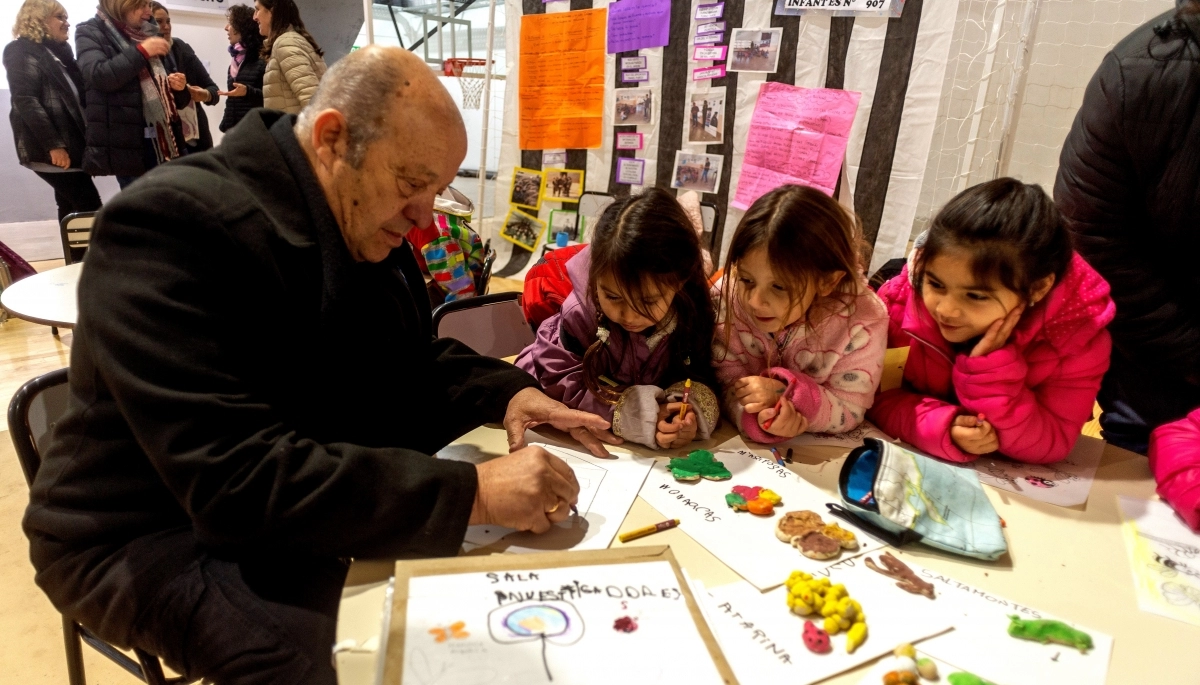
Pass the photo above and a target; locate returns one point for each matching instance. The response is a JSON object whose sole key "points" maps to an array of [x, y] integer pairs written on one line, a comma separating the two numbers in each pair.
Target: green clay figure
{"points": [[1045, 631], [964, 678], [697, 465]]}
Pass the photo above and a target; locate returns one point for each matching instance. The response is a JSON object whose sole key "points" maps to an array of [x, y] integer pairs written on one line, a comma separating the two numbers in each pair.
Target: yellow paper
{"points": [[561, 80], [1166, 570], [893, 368]]}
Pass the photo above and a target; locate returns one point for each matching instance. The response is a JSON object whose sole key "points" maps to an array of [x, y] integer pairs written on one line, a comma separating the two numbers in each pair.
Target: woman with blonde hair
{"points": [[134, 92], [295, 63], [47, 104]]}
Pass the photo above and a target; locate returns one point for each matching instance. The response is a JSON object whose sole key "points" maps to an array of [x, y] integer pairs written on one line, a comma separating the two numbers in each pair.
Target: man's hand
{"points": [[529, 489], [788, 422], [974, 436], [531, 407], [672, 433], [177, 81], [756, 393]]}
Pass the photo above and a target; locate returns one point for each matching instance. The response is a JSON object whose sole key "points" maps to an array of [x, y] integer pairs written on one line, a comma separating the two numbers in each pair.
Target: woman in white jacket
{"points": [[295, 63]]}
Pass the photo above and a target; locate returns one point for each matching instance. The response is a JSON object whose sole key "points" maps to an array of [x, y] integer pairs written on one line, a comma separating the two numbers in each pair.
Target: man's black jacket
{"points": [[240, 386]]}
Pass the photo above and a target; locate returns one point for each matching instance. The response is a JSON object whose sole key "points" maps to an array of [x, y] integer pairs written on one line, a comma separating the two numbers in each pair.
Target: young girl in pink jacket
{"points": [[1005, 326], [799, 346]]}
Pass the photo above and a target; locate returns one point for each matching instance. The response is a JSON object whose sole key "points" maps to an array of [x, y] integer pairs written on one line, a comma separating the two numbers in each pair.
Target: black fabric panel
{"points": [[840, 29], [621, 189], [786, 73], [520, 257], [734, 9], [879, 145], [676, 77], [577, 159]]}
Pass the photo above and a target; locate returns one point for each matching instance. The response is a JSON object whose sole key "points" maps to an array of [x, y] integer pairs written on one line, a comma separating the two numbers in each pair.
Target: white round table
{"points": [[47, 298]]}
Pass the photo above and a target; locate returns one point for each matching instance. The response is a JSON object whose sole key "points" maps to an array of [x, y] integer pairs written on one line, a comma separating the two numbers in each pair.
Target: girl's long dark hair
{"points": [[241, 17], [646, 239], [285, 15]]}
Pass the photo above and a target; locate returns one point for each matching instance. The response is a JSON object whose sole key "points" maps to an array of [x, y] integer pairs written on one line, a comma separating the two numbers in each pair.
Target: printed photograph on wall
{"points": [[633, 106], [526, 188], [706, 116], [522, 229], [697, 172], [755, 49], [563, 221], [562, 185]]}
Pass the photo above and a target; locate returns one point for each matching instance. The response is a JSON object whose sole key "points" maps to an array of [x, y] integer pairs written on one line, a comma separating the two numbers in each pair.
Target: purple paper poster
{"points": [[797, 136], [637, 24]]}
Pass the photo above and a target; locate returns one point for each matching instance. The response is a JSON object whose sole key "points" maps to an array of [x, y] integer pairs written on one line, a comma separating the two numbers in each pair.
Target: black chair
{"points": [[492, 325], [31, 416], [710, 214], [76, 232], [485, 275]]}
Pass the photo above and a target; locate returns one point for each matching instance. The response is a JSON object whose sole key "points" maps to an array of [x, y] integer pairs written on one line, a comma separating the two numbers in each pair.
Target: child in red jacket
{"points": [[1005, 326], [1175, 461]]}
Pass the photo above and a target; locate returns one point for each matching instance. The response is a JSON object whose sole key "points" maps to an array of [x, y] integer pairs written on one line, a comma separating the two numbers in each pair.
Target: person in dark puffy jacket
{"points": [[47, 105], [1129, 186], [246, 67], [133, 92]]}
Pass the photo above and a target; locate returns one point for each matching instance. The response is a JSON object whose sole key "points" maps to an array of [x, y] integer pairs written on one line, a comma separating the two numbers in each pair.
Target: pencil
{"points": [[648, 530], [778, 459], [687, 392]]}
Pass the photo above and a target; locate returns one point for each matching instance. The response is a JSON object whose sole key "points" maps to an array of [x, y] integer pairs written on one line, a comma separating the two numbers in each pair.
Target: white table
{"points": [[47, 298], [1070, 562]]}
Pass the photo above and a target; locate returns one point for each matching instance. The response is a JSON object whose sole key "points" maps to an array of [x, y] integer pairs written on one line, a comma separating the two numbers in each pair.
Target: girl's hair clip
{"points": [[602, 334]]}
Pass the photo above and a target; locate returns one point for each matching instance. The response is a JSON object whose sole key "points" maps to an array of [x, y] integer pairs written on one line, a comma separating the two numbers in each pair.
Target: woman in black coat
{"points": [[47, 105], [199, 84], [245, 75], [134, 92], [1129, 186]]}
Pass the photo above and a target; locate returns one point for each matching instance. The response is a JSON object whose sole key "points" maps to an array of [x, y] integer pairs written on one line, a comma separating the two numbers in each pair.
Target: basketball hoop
{"points": [[470, 74]]}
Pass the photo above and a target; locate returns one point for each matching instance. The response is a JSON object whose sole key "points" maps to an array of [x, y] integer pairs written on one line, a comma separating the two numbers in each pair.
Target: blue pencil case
{"points": [[905, 496]]}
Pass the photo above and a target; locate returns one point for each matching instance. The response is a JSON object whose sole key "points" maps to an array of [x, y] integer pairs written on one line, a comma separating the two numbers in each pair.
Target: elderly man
{"points": [[255, 389]]}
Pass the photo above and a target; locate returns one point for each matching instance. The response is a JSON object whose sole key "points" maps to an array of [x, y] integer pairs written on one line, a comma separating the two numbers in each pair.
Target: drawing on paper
{"points": [[454, 632], [556, 622]]}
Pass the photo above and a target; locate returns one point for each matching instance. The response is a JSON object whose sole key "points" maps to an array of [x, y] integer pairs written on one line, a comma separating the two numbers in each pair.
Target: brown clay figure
{"points": [[908, 579]]}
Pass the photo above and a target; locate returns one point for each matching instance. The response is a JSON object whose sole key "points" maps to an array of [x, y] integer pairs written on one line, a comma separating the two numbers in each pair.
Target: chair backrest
{"points": [[485, 274], [34, 410], [591, 206], [492, 325], [76, 234], [710, 214]]}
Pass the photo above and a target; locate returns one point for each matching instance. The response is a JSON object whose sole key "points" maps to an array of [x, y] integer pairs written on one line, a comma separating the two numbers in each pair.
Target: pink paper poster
{"points": [[797, 136]]}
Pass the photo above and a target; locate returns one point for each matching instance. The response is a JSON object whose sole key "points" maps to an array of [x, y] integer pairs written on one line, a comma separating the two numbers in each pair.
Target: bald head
{"points": [[381, 90]]}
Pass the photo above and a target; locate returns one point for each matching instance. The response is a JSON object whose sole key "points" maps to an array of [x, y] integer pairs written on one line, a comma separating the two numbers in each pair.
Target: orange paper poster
{"points": [[562, 79]]}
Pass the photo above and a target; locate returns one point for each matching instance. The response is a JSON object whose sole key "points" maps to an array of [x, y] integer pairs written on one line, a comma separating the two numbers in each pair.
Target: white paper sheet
{"points": [[743, 541], [851, 438], [762, 640], [607, 488], [1164, 556], [553, 625], [980, 642], [1065, 483]]}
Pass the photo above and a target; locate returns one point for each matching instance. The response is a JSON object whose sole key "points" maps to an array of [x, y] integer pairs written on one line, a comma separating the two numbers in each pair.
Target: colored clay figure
{"points": [[699, 464], [909, 581], [1045, 631], [900, 678], [735, 501], [815, 639], [760, 507], [797, 523], [756, 500], [964, 678], [806, 595], [625, 624], [927, 669], [905, 649], [855, 637], [816, 545], [844, 537]]}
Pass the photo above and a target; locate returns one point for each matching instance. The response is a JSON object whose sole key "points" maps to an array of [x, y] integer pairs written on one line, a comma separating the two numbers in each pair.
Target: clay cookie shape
{"points": [[699, 464], [797, 523], [1045, 630]]}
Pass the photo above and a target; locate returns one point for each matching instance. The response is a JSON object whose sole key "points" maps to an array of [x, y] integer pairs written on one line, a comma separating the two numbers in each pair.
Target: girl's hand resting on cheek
{"points": [[974, 436], [756, 393], [997, 334], [788, 424], [672, 433]]}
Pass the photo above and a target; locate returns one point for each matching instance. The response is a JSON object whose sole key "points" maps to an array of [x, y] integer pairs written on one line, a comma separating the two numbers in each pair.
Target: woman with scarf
{"points": [[133, 96], [245, 68], [47, 104], [200, 86]]}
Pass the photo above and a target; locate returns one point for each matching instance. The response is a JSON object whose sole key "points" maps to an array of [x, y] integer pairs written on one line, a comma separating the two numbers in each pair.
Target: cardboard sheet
{"points": [[797, 136], [561, 80]]}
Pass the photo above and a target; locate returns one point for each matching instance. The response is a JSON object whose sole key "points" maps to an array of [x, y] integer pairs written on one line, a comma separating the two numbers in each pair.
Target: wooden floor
{"points": [[31, 647]]}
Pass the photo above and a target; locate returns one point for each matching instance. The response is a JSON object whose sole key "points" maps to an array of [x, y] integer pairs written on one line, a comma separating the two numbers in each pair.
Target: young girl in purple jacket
{"points": [[635, 328]]}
